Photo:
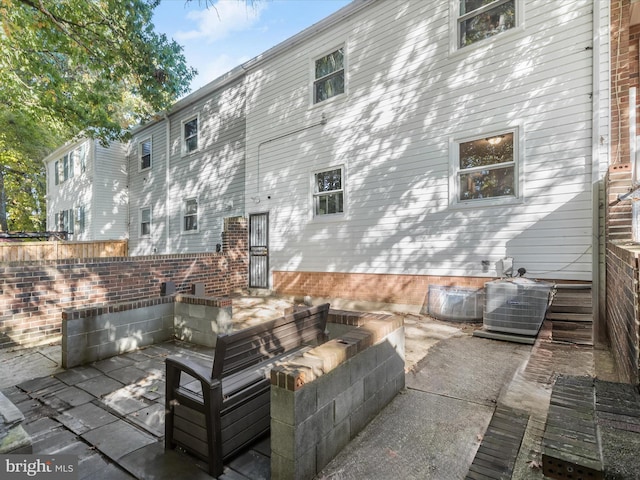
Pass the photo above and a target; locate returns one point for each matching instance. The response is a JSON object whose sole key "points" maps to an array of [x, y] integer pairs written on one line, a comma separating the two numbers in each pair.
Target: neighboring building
{"points": [[179, 206], [87, 190]]}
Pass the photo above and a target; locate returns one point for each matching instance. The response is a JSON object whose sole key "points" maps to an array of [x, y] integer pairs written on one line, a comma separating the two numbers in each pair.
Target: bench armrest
{"points": [[197, 371]]}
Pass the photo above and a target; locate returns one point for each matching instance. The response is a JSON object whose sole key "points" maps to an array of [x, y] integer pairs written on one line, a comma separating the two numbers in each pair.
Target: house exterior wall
{"points": [[98, 186], [408, 99], [109, 212], [213, 175], [147, 189]]}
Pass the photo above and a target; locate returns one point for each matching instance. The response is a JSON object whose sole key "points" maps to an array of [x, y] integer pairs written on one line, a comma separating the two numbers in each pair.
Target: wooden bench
{"points": [[214, 414]]}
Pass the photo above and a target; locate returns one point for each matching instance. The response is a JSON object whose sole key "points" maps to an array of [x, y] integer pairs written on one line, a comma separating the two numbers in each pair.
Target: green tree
{"points": [[70, 66], [22, 188], [77, 61]]}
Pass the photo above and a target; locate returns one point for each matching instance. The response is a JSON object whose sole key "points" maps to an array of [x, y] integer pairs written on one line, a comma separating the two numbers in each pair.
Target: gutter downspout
{"points": [[167, 185], [597, 274]]}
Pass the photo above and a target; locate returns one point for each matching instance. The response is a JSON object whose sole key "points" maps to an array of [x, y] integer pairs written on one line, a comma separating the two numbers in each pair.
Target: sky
{"points": [[215, 40]]}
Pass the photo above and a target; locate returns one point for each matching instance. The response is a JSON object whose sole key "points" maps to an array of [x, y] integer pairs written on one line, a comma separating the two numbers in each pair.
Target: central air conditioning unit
{"points": [[516, 305]]}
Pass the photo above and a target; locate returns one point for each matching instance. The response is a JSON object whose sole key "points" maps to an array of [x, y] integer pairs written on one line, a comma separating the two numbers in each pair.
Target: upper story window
{"points": [[329, 76], [144, 154], [190, 223], [328, 193], [190, 135], [81, 153], [486, 168], [145, 221], [63, 168], [480, 19]]}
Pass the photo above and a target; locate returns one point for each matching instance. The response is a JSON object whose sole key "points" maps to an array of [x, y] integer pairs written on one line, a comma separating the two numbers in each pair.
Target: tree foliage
{"points": [[22, 177], [93, 67], [97, 66]]}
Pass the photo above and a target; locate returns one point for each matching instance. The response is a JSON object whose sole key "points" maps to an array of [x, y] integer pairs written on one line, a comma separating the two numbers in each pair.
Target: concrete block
{"points": [[362, 364], [73, 327], [110, 349], [100, 337], [393, 367], [387, 393], [371, 408], [348, 401], [293, 408], [374, 381], [329, 386], [283, 437], [308, 432], [303, 468], [330, 445], [197, 311]]}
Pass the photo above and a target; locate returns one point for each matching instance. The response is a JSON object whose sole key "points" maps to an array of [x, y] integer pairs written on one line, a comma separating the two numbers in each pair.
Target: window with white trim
{"points": [[328, 76], [328, 192], [79, 220], [63, 221], [190, 217], [145, 222], [144, 154], [190, 135], [480, 19], [486, 168], [82, 157]]}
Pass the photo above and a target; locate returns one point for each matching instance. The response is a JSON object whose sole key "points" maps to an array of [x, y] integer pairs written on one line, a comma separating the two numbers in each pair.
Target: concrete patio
{"points": [[111, 413]]}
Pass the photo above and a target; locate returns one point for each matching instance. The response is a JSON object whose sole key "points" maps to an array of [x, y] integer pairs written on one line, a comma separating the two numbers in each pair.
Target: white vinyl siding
{"points": [[408, 96]]}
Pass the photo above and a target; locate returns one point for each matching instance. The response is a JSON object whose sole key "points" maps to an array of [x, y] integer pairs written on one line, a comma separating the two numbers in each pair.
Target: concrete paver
{"points": [[117, 439], [112, 416], [85, 418]]}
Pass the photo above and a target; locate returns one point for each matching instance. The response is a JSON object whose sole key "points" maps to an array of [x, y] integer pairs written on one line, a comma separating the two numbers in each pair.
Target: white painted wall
{"points": [[100, 189], [408, 96]]}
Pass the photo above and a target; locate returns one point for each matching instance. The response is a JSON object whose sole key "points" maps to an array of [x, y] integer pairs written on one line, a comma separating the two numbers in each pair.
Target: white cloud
{"points": [[220, 20], [214, 67]]}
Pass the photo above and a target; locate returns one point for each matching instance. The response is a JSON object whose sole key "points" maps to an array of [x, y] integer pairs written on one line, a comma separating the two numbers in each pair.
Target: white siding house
{"points": [[178, 206], [87, 190], [392, 138]]}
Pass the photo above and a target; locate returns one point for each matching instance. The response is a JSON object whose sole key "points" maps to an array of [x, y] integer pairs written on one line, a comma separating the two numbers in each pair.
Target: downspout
{"points": [[167, 185], [599, 334]]}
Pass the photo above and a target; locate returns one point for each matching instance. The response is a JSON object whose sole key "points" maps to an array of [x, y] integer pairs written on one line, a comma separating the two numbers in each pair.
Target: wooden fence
{"points": [[57, 250]]}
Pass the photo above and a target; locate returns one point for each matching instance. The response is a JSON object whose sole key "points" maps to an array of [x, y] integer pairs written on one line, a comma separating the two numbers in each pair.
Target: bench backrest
{"points": [[238, 350]]}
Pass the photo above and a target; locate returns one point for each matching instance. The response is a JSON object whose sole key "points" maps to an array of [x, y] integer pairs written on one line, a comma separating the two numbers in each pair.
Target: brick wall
{"points": [[623, 309], [33, 294], [394, 289], [620, 79]]}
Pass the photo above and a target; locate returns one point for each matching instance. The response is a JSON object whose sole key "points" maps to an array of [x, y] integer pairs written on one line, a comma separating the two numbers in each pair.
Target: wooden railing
{"points": [[56, 250]]}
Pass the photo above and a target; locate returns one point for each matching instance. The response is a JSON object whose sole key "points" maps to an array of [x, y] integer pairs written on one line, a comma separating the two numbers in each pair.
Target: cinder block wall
{"points": [[96, 333], [320, 401], [623, 312], [34, 294]]}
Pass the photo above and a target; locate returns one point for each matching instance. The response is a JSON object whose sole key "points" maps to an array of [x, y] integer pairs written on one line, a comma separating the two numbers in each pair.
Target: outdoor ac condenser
{"points": [[516, 305]]}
